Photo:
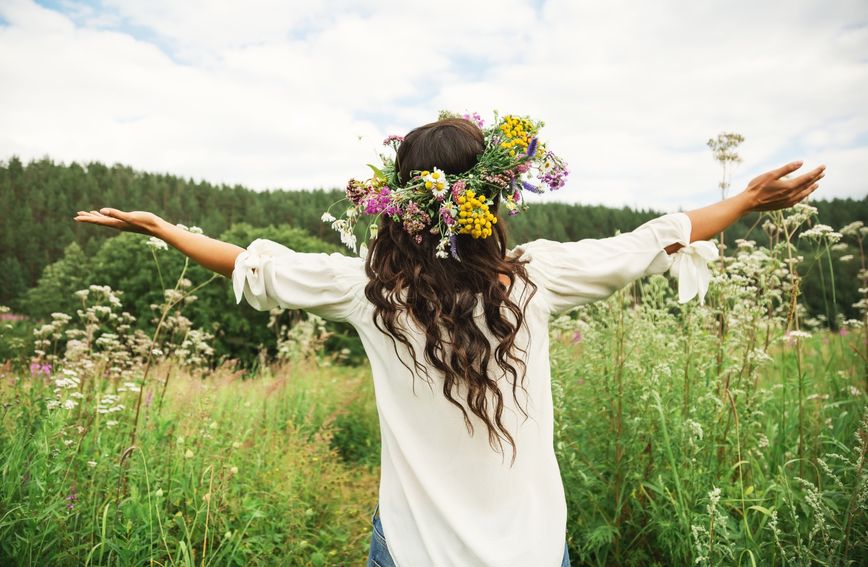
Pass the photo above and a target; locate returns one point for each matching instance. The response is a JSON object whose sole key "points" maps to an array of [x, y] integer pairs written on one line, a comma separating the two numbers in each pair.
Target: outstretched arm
{"points": [[211, 253], [766, 192]]}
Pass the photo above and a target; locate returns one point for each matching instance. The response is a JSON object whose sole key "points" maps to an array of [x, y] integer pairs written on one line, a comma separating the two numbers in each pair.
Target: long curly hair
{"points": [[441, 294]]}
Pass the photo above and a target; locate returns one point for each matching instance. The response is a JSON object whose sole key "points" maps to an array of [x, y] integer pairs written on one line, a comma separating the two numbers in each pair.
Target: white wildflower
{"points": [[852, 229], [435, 181], [196, 230], [155, 243], [327, 217], [846, 258], [821, 232], [695, 428], [69, 404]]}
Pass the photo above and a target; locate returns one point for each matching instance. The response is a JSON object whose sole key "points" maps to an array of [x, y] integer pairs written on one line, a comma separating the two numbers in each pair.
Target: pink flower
{"points": [[577, 337], [457, 189]]}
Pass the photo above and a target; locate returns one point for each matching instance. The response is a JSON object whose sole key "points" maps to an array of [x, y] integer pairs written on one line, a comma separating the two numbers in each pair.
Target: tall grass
{"points": [[730, 433], [231, 472]]}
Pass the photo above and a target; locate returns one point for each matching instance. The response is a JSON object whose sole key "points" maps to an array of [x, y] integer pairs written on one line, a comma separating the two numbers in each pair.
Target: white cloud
{"points": [[277, 94]]}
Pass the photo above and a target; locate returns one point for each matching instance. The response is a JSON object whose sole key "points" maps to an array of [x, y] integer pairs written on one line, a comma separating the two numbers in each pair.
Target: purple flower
{"points": [[531, 148], [453, 247], [577, 337], [475, 118], [458, 189], [378, 201], [71, 498], [531, 187], [37, 369], [842, 332], [446, 215], [393, 138]]}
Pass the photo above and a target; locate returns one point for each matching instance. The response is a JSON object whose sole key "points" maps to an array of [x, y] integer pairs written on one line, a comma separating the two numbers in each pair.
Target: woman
{"points": [[471, 325]]}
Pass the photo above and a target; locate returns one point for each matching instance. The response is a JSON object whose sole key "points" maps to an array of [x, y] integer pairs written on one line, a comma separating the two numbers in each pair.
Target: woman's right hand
{"points": [[142, 222]]}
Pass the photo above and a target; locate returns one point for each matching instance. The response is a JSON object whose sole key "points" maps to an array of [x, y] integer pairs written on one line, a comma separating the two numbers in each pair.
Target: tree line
{"points": [[44, 254]]}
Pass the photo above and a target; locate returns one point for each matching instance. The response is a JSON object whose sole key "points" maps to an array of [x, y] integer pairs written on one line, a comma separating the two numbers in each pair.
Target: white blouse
{"points": [[447, 498]]}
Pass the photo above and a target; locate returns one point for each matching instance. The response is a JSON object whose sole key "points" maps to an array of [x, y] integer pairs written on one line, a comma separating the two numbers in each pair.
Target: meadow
{"points": [[729, 433]]}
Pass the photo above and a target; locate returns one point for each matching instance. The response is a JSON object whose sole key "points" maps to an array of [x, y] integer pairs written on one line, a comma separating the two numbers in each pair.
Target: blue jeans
{"points": [[379, 554]]}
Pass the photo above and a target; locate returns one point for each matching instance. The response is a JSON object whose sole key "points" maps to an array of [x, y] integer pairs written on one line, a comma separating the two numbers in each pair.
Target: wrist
{"points": [[160, 228], [744, 202]]}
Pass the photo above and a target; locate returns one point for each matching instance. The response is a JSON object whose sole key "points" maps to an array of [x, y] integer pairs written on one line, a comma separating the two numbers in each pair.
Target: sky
{"points": [[287, 95]]}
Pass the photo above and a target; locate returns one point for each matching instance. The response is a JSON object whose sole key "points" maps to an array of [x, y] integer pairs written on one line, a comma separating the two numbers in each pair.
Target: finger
{"points": [[808, 178], [114, 213], [786, 169], [804, 194]]}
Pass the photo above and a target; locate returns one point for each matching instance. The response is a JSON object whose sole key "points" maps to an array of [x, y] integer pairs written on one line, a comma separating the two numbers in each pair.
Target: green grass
{"points": [[687, 434]]}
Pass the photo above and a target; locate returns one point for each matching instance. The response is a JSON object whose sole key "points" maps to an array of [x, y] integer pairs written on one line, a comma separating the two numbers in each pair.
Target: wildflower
{"points": [[155, 244], [69, 404], [393, 139], [852, 229], [475, 118], [695, 428], [91, 464], [846, 258], [327, 217], [821, 232], [474, 217], [435, 181], [188, 454], [453, 247], [531, 148], [71, 498], [377, 201], [196, 230], [441, 248], [577, 336]]}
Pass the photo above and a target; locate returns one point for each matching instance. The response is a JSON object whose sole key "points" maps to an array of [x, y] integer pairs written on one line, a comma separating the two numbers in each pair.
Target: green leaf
{"points": [[377, 172]]}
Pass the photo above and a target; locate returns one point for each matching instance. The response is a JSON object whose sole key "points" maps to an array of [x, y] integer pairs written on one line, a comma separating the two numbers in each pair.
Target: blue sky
{"points": [[293, 95]]}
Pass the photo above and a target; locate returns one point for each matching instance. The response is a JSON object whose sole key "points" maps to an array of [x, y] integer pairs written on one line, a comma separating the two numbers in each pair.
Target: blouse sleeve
{"points": [[576, 273], [271, 275]]}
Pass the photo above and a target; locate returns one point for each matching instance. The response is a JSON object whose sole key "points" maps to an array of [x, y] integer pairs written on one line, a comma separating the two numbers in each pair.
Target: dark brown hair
{"points": [[441, 294]]}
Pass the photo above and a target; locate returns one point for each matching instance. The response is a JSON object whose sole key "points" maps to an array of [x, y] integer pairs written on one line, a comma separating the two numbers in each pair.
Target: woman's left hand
{"points": [[769, 192]]}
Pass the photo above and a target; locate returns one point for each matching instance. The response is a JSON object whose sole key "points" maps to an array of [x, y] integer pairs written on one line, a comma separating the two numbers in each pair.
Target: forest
{"points": [[45, 257]]}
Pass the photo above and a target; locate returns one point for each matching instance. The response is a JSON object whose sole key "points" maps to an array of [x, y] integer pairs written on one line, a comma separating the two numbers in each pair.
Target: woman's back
{"points": [[446, 498]]}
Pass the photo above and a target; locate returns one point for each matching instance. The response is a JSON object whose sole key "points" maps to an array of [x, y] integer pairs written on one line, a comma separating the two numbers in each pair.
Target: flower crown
{"points": [[514, 160]]}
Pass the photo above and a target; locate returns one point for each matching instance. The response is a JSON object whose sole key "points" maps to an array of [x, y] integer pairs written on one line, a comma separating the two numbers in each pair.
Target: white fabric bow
{"points": [[690, 267]]}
